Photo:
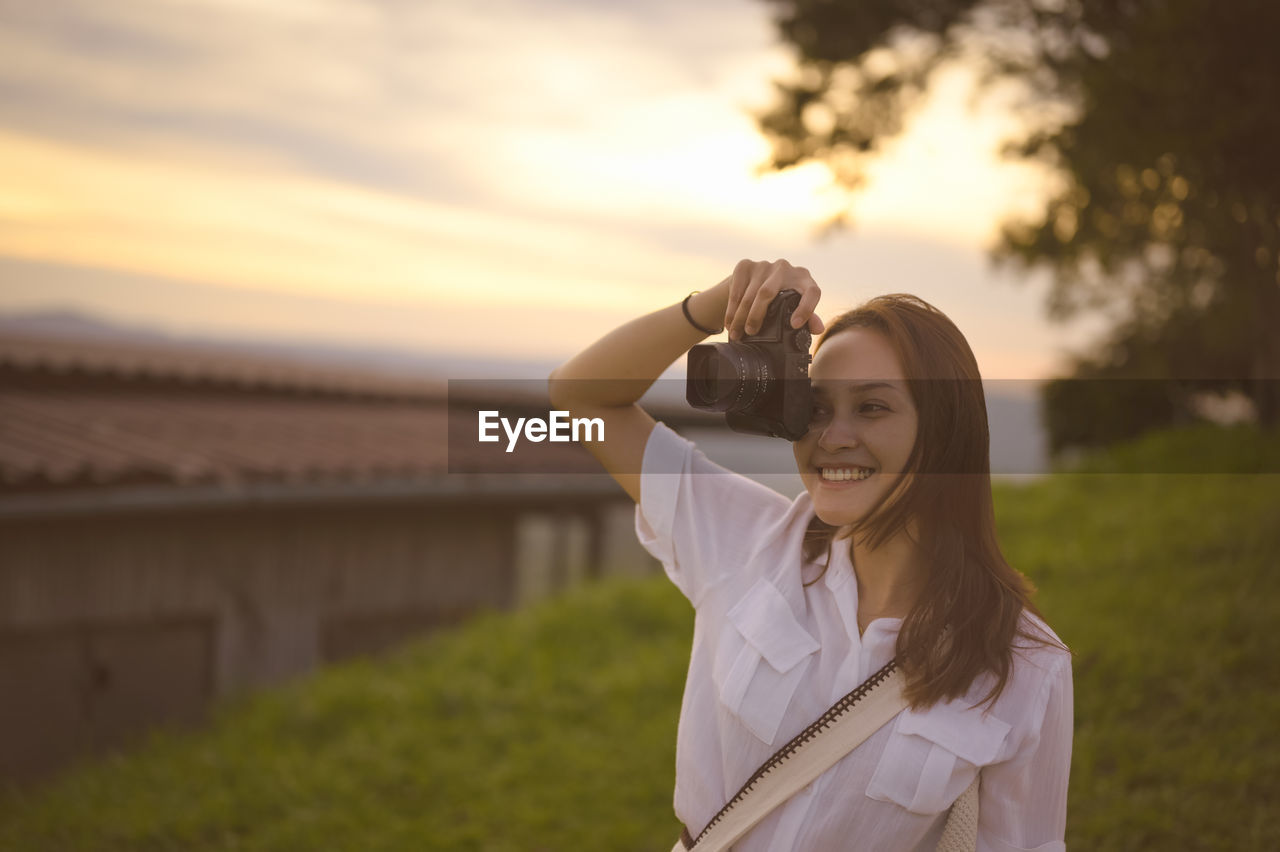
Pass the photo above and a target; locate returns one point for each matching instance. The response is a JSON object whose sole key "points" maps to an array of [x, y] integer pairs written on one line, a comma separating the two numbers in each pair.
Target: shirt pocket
{"points": [[762, 656], [932, 756]]}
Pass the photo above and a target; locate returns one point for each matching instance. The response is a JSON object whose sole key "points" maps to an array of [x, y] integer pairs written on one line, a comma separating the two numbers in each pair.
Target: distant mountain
{"points": [[78, 325], [400, 362]]}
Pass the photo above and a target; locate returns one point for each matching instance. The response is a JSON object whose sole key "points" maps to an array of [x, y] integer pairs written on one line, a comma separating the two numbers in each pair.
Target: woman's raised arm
{"points": [[607, 378]]}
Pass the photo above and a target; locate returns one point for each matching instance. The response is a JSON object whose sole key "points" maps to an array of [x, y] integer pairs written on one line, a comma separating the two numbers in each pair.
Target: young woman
{"points": [[890, 552]]}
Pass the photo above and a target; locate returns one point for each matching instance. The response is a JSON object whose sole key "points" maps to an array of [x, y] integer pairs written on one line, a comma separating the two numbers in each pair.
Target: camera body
{"points": [[761, 382]]}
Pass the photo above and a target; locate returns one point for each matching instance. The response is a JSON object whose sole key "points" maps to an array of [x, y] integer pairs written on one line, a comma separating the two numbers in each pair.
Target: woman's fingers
{"points": [[808, 301], [760, 272], [778, 278], [741, 278], [756, 283]]}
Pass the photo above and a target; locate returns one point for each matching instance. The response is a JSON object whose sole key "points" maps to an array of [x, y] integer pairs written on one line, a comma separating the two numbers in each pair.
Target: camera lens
{"points": [[727, 376]]}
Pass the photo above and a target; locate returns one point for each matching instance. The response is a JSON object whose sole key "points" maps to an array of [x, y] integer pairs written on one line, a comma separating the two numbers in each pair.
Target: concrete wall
{"points": [[112, 624]]}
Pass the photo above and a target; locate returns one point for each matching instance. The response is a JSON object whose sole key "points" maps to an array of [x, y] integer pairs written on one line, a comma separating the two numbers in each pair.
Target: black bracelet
{"points": [[684, 306]]}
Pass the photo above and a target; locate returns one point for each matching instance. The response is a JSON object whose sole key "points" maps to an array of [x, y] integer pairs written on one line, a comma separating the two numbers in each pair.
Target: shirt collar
{"points": [[839, 579]]}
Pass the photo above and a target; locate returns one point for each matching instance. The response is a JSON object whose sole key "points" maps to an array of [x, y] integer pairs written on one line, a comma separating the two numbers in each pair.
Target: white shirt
{"points": [[770, 655]]}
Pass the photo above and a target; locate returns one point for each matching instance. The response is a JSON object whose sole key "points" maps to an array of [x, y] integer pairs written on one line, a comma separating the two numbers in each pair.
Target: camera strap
{"points": [[835, 733]]}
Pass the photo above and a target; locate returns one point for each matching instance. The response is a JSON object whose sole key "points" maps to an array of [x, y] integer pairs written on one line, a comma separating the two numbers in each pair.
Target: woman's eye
{"points": [[872, 408]]}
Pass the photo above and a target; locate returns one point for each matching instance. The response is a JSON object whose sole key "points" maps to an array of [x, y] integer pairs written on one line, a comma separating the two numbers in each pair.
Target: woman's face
{"points": [[863, 427]]}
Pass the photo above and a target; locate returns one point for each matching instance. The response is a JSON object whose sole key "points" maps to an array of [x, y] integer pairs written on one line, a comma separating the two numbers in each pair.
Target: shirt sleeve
{"points": [[1023, 801], [700, 520]]}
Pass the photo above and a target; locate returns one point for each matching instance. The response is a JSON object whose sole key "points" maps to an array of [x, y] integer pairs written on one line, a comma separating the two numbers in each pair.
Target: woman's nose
{"points": [[838, 434]]}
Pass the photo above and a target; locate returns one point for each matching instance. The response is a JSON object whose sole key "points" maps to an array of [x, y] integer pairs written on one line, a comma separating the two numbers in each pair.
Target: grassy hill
{"points": [[554, 728], [1167, 588]]}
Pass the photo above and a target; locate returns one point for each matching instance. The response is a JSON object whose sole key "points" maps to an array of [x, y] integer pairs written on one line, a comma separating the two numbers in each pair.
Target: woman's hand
{"points": [[755, 283]]}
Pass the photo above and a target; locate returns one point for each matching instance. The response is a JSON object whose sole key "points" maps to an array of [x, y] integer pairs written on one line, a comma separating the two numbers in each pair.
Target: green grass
{"points": [[1167, 588], [554, 728]]}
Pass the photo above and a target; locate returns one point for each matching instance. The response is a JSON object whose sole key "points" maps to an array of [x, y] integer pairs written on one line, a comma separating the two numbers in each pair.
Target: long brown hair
{"points": [[968, 616]]}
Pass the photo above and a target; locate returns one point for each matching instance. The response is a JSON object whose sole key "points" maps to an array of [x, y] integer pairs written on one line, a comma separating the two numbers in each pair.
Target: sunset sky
{"points": [[502, 178]]}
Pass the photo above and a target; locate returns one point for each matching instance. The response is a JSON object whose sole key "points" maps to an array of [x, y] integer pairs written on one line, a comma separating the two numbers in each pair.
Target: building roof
{"points": [[83, 438], [80, 415], [195, 364]]}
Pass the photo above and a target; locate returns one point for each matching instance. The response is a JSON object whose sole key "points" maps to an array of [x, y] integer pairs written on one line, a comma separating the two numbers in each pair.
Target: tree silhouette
{"points": [[1162, 118]]}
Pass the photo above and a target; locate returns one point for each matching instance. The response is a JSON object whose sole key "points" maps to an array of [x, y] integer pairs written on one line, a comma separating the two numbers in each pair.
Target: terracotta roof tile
{"points": [[55, 436], [82, 438]]}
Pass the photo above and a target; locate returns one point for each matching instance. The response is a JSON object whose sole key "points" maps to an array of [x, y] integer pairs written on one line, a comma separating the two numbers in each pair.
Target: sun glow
{"points": [[249, 228]]}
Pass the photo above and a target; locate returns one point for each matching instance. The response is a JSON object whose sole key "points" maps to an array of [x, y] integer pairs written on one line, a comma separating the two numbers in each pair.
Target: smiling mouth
{"points": [[845, 474]]}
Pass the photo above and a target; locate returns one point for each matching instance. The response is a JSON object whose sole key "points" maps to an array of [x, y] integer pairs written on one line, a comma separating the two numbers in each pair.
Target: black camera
{"points": [[761, 382]]}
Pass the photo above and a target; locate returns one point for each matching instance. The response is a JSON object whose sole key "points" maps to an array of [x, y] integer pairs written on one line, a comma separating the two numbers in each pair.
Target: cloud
{"points": [[324, 144], [343, 87], [627, 111], [559, 158], [303, 234]]}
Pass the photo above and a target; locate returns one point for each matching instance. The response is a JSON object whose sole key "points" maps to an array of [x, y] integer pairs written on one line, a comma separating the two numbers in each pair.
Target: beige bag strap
{"points": [[806, 756], [814, 750], [961, 831]]}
